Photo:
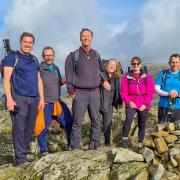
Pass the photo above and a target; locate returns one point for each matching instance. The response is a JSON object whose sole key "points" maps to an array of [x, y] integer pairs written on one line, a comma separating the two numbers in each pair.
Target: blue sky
{"points": [[5, 5], [123, 28], [119, 10]]}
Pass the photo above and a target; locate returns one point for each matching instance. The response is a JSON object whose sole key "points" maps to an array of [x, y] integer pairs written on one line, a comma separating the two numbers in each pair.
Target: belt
{"points": [[86, 89], [137, 94]]}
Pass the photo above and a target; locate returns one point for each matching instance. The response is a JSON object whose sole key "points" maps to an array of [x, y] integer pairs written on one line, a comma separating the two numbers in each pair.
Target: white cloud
{"points": [[160, 28], [53, 22], [153, 34]]}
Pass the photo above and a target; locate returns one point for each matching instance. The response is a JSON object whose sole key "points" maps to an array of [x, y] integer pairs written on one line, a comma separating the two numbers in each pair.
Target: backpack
{"points": [[142, 71], [15, 64], [164, 77], [76, 59], [56, 67], [2, 65], [3, 97]]}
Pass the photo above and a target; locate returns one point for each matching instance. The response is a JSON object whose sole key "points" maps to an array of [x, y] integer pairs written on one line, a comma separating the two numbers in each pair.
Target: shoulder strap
{"points": [[164, 78], [59, 74], [16, 60], [75, 60]]}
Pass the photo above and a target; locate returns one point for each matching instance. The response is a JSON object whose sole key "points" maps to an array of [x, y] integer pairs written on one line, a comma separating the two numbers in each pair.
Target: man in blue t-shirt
{"points": [[168, 87], [24, 91]]}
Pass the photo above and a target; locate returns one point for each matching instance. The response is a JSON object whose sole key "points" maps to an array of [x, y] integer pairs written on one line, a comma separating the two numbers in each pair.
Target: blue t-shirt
{"points": [[172, 82], [25, 74]]}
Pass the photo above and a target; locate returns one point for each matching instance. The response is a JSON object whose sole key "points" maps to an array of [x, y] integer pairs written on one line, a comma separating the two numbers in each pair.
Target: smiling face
{"points": [[26, 44], [111, 66], [174, 64], [136, 65], [48, 56], [86, 38]]}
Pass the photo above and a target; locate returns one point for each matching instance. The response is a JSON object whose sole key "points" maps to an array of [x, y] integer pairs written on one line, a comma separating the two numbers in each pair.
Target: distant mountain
{"points": [[155, 69]]}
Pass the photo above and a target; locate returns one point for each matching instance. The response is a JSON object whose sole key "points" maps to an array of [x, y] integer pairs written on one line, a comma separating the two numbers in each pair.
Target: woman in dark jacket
{"points": [[111, 98]]}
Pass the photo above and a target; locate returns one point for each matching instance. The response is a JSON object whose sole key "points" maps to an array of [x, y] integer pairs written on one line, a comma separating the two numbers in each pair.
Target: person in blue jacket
{"points": [[168, 87]]}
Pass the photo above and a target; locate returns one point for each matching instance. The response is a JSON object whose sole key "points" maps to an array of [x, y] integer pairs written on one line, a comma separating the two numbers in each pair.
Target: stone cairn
{"points": [[162, 150]]}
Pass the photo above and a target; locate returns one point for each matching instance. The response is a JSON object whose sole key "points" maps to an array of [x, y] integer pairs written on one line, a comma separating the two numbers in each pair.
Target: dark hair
{"points": [[27, 34], [175, 55], [136, 58], [47, 48], [86, 29]]}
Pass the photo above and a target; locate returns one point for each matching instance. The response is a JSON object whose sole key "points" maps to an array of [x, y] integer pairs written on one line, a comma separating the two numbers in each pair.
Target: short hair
{"points": [[86, 29], [136, 58], [47, 48], [175, 55], [27, 34]]}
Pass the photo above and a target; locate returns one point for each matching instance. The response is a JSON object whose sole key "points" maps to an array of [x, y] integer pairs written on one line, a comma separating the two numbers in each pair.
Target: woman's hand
{"points": [[142, 108], [132, 105]]}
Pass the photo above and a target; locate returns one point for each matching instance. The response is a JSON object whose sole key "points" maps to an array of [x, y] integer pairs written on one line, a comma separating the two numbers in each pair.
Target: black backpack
{"points": [[76, 59], [2, 65], [143, 70]]}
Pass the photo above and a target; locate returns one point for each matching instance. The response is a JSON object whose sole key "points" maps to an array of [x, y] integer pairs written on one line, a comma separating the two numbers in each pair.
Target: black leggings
{"points": [[142, 116]]}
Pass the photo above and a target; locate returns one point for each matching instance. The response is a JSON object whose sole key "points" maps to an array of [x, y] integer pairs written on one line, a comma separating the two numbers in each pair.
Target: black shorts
{"points": [[167, 115]]}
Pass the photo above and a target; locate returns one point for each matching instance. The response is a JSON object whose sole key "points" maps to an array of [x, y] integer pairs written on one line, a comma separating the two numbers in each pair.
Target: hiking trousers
{"points": [[23, 122], [48, 116], [107, 122], [142, 117], [86, 100]]}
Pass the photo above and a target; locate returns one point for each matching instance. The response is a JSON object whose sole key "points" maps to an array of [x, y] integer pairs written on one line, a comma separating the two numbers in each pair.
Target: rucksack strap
{"points": [[75, 60]]}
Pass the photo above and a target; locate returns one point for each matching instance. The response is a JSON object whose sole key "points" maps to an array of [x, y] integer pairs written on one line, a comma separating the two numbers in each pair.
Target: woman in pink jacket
{"points": [[137, 90]]}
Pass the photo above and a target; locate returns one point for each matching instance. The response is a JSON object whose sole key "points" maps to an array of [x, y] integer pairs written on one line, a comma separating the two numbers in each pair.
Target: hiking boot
{"points": [[91, 145], [44, 153], [140, 145], [125, 143], [30, 157], [24, 165]]}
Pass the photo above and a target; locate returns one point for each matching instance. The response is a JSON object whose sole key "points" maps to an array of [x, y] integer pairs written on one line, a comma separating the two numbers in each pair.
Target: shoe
{"points": [[125, 143], [91, 145], [23, 165], [44, 153], [140, 145], [30, 157]]}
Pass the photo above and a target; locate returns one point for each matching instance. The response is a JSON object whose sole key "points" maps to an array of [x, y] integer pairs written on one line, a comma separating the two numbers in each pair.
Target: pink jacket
{"points": [[140, 92]]}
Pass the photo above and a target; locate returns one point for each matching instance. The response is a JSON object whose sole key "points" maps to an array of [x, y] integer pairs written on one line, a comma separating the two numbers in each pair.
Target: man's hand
{"points": [[41, 104], [142, 108], [106, 85], [173, 94], [72, 95], [132, 105], [10, 104]]}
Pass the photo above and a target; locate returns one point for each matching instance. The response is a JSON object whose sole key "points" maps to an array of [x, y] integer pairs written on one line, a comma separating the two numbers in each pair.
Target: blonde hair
{"points": [[117, 72]]}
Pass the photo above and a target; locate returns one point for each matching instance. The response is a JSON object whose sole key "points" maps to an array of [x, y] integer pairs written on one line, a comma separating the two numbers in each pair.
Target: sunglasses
{"points": [[135, 64]]}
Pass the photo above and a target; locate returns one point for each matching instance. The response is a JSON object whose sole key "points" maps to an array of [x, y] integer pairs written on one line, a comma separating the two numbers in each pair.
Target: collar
{"points": [[86, 50]]}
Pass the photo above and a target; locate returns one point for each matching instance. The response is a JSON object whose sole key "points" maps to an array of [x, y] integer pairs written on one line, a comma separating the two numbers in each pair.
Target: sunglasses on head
{"points": [[135, 64]]}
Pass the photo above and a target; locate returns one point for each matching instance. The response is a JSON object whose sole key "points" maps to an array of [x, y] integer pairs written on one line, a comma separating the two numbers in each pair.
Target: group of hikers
{"points": [[95, 85]]}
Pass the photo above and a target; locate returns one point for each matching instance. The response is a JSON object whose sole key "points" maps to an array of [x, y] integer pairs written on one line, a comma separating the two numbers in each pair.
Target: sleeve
{"points": [[9, 60], [69, 73], [159, 91], [149, 90], [124, 89], [158, 84]]}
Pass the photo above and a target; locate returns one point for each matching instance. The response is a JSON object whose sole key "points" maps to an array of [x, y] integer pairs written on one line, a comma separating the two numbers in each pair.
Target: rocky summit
{"points": [[158, 160]]}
